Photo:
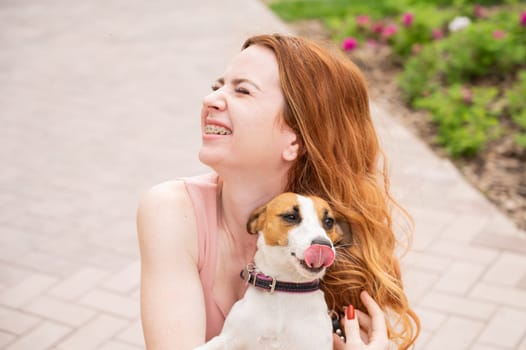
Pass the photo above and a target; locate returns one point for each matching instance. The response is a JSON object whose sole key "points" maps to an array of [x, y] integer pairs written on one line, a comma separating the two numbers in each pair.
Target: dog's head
{"points": [[297, 233]]}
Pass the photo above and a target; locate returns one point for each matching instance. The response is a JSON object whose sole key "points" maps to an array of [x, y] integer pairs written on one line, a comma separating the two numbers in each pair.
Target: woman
{"points": [[287, 115]]}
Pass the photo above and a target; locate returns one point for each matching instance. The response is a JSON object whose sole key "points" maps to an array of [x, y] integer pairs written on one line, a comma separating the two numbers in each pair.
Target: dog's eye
{"points": [[292, 218], [328, 223]]}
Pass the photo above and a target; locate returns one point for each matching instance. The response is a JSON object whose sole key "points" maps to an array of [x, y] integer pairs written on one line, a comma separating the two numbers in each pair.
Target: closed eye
{"points": [[216, 87], [243, 91], [238, 90]]}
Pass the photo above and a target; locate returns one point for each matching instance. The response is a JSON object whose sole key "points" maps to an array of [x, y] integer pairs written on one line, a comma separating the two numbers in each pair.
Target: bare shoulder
{"points": [[170, 193], [166, 220], [170, 285]]}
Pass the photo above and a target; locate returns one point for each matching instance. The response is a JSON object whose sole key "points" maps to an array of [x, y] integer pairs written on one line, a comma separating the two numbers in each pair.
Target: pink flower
{"points": [[378, 28], [478, 11], [389, 31], [373, 44], [407, 19], [467, 95], [416, 48], [523, 19], [437, 34], [499, 34], [349, 44], [363, 21]]}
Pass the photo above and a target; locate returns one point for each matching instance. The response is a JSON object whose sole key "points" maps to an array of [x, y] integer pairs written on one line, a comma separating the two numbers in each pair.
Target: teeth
{"points": [[216, 130]]}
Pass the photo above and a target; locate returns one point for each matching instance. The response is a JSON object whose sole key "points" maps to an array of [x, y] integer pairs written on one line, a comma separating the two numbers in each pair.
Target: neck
{"points": [[240, 195]]}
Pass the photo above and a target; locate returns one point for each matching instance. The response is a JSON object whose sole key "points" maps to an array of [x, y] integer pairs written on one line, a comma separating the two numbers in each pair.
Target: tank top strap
{"points": [[203, 192]]}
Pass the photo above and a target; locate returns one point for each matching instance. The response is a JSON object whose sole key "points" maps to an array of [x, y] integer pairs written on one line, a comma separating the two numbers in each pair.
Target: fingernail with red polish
{"points": [[350, 312]]}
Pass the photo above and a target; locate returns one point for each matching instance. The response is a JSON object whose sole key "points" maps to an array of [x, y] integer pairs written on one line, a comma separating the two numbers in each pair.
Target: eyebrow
{"points": [[239, 81]]}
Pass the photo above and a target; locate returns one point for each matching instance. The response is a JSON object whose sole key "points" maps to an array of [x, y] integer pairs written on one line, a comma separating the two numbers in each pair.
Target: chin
{"points": [[206, 158], [212, 158]]}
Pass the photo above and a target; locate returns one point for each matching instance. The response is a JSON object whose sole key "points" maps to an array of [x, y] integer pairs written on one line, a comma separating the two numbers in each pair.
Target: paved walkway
{"points": [[99, 100]]}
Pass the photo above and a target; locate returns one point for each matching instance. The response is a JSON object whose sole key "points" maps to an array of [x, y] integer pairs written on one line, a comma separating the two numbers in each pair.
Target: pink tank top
{"points": [[203, 191]]}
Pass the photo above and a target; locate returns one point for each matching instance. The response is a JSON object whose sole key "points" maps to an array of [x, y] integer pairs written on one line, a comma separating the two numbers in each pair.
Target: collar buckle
{"points": [[272, 285], [247, 273]]}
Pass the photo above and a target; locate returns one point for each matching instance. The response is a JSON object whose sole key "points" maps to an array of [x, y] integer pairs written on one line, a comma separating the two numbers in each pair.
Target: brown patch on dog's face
{"points": [[326, 217], [276, 218], [343, 228], [281, 214]]}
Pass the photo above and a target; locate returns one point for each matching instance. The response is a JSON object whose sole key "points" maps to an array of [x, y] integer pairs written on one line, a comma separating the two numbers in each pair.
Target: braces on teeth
{"points": [[217, 130]]}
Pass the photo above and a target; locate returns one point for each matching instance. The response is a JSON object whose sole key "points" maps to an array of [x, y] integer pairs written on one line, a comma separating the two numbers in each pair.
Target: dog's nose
{"points": [[321, 241]]}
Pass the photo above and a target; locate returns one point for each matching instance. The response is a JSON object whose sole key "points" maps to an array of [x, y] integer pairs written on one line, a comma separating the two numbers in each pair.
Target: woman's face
{"points": [[241, 118]]}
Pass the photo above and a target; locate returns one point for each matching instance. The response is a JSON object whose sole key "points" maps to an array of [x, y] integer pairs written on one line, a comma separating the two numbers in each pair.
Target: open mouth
{"points": [[211, 129]]}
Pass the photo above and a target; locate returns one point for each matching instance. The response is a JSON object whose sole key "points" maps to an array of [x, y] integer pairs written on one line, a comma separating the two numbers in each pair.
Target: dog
{"points": [[283, 308]]}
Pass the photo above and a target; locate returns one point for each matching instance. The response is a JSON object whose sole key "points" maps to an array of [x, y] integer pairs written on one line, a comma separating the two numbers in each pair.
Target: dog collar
{"points": [[251, 276]]}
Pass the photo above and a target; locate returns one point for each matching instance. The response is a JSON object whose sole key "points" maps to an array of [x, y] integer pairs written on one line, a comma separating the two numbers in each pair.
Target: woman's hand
{"points": [[363, 332]]}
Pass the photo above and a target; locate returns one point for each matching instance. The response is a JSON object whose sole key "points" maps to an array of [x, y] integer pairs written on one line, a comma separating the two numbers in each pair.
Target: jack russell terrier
{"points": [[284, 308]]}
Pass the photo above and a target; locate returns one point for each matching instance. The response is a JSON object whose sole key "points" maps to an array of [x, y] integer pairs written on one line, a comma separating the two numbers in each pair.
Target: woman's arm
{"points": [[172, 305]]}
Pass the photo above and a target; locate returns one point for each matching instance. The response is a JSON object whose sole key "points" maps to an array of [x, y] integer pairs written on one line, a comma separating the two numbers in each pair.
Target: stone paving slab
{"points": [[100, 100]]}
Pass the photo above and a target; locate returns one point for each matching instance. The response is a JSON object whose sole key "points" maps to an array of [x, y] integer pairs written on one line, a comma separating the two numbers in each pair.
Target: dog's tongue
{"points": [[319, 255]]}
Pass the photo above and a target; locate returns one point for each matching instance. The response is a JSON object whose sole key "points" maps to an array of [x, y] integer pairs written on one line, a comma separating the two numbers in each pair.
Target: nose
{"points": [[215, 100], [321, 241]]}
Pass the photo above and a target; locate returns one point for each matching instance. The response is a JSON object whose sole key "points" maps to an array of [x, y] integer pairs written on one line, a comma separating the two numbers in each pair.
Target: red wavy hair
{"points": [[327, 105]]}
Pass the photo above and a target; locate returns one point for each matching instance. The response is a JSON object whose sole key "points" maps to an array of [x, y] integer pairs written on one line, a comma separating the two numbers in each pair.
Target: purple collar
{"points": [[270, 284]]}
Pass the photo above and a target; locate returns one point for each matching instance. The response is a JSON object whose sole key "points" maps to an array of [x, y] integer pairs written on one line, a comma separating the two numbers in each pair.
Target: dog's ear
{"points": [[256, 219], [344, 230]]}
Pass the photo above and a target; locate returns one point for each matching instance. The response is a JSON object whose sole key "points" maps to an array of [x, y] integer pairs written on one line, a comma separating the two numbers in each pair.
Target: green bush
{"points": [[419, 77], [469, 2], [467, 118], [305, 9], [478, 51], [487, 50], [420, 32], [465, 56], [439, 67], [291, 10], [516, 99]]}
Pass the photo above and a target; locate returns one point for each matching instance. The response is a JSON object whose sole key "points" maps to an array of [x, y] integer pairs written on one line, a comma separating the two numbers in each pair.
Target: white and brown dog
{"points": [[284, 308]]}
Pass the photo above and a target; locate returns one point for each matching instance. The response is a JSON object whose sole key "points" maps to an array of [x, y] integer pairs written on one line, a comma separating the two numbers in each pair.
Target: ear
{"points": [[292, 147], [344, 230], [255, 220]]}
